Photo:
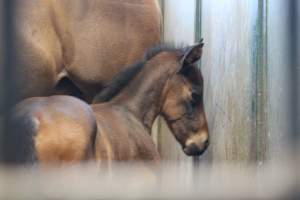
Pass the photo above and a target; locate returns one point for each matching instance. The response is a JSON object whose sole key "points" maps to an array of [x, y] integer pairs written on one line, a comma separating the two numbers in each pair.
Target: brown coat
{"points": [[80, 43]]}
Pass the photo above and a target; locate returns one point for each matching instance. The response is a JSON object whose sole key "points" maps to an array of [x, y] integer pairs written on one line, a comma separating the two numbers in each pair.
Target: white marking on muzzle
{"points": [[197, 139]]}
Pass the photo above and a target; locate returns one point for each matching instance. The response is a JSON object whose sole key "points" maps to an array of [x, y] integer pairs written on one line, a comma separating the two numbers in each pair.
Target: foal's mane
{"points": [[126, 75]]}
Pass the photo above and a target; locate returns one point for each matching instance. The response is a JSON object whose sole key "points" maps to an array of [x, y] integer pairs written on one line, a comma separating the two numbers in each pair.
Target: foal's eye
{"points": [[196, 99]]}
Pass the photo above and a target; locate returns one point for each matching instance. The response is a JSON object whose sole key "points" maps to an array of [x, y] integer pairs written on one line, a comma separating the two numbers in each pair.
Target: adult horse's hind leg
{"points": [[35, 71]]}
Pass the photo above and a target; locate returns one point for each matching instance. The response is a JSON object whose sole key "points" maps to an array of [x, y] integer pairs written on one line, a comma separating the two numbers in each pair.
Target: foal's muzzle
{"points": [[195, 150]]}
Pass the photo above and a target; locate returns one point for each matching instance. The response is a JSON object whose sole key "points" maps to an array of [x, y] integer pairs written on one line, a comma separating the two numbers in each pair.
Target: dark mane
{"points": [[118, 83], [125, 76]]}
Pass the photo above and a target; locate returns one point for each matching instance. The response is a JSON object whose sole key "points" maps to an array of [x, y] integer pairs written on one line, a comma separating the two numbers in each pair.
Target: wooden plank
{"points": [[279, 41], [228, 28]]}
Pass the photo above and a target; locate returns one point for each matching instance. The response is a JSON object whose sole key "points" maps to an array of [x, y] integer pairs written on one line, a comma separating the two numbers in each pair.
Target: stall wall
{"points": [[233, 68], [230, 31], [247, 76], [282, 46], [278, 75]]}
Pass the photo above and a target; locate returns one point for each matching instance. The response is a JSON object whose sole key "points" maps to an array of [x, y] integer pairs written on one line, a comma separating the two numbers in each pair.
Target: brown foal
{"points": [[167, 82]]}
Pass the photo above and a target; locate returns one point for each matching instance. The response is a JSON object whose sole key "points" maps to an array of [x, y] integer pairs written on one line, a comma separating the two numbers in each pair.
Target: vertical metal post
{"points": [[198, 33], [259, 76], [9, 97], [294, 72], [261, 83], [1, 77]]}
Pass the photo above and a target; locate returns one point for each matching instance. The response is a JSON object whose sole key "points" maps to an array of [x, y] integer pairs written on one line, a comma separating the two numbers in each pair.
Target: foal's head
{"points": [[183, 107], [166, 82]]}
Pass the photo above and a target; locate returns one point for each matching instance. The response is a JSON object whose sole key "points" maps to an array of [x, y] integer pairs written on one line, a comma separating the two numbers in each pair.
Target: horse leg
{"points": [[35, 72]]}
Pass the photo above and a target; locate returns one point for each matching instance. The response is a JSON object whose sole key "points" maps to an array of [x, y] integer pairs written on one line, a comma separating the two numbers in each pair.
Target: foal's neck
{"points": [[144, 96]]}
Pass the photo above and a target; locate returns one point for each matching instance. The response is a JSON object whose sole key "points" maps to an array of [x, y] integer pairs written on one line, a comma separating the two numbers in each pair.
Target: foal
{"points": [[118, 127], [166, 83]]}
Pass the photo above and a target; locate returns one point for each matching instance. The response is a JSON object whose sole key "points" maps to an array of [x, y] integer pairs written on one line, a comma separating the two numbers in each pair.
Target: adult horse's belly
{"points": [[110, 36], [88, 40]]}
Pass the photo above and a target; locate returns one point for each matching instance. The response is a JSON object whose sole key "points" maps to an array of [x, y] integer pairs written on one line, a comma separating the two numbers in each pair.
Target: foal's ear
{"points": [[193, 53]]}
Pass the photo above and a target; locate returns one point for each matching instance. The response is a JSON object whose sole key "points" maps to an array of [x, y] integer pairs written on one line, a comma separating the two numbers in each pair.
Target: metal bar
{"points": [[259, 75], [9, 97], [198, 33], [294, 71]]}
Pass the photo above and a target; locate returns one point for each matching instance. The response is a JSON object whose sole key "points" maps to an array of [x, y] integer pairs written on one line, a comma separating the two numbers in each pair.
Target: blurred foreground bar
{"points": [[130, 182], [8, 96]]}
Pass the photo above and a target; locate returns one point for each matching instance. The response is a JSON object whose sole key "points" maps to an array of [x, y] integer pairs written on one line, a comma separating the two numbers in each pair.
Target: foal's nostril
{"points": [[193, 150]]}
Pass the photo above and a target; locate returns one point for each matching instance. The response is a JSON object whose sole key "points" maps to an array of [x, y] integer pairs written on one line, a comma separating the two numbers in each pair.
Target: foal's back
{"points": [[121, 136]]}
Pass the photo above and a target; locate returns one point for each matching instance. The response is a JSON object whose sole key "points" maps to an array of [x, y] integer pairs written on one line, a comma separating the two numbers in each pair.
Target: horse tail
{"points": [[23, 128]]}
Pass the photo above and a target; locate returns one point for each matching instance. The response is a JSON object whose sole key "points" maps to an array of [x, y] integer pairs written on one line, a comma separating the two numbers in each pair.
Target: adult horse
{"points": [[166, 83], [76, 46]]}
